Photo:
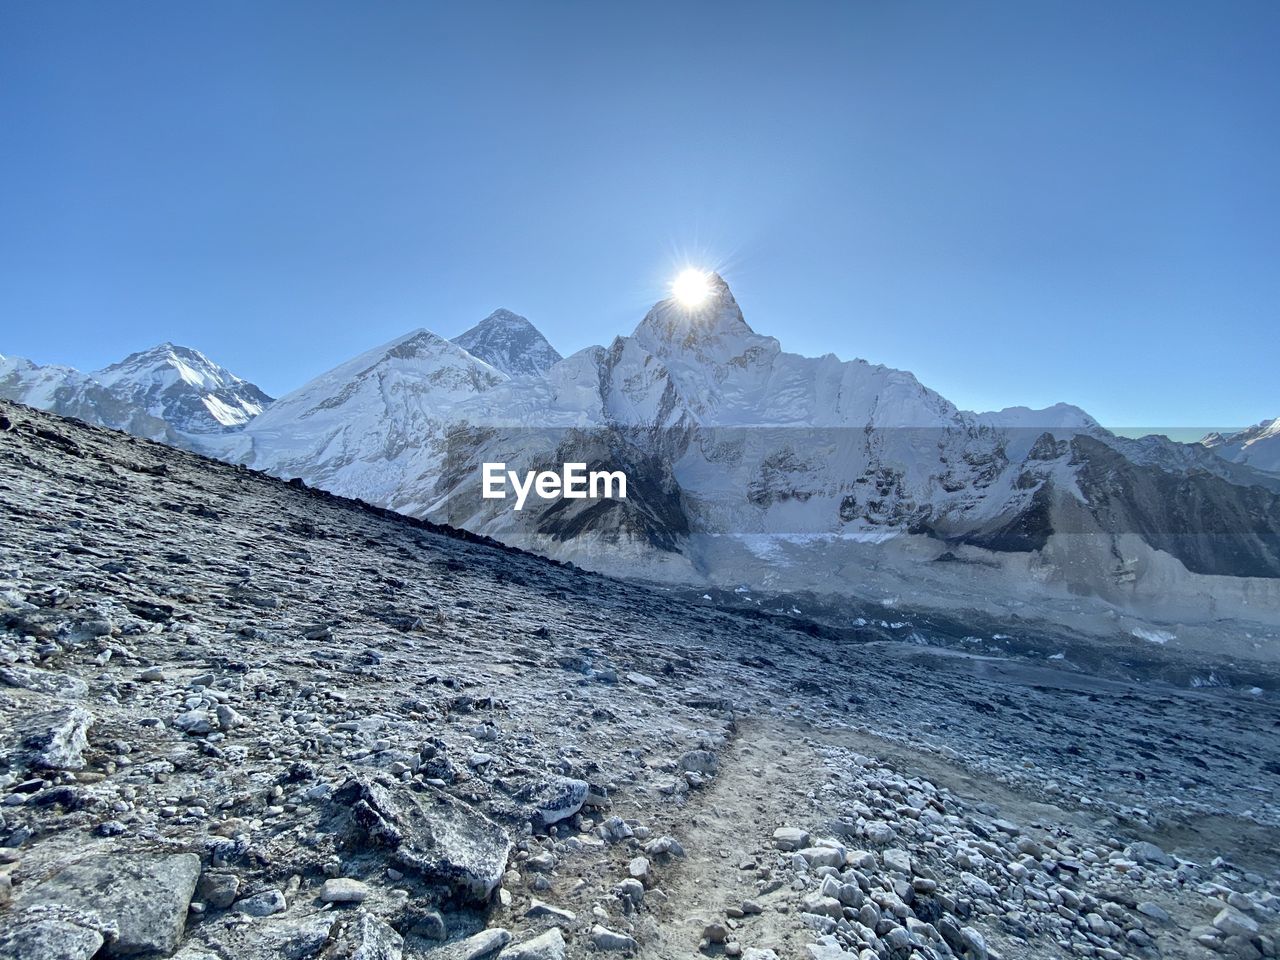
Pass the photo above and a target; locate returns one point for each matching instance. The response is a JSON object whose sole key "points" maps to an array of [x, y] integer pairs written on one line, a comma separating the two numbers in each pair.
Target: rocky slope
{"points": [[244, 719]]}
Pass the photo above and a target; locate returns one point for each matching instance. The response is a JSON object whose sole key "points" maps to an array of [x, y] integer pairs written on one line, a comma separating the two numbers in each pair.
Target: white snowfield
{"points": [[1258, 446], [749, 465]]}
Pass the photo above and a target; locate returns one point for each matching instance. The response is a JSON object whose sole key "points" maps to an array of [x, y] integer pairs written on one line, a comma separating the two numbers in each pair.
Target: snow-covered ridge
{"points": [[167, 393], [1258, 446], [746, 462]]}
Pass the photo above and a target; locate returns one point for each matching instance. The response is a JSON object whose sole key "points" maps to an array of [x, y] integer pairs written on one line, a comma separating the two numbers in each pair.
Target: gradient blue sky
{"points": [[1019, 202]]}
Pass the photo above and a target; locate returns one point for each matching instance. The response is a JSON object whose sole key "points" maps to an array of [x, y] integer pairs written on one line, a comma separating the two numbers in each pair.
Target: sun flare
{"points": [[691, 287]]}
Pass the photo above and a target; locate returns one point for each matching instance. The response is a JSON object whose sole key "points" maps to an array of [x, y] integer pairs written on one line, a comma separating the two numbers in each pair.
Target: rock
{"points": [[1147, 853], [638, 868], [218, 890], [699, 761], [58, 739], [481, 944], [442, 839], [49, 940], [790, 838], [615, 830], [542, 862], [228, 719], [972, 945], [262, 904], [899, 861], [43, 681], [551, 799], [538, 909], [756, 953], [545, 946], [1234, 923], [152, 675], [605, 939], [366, 937], [430, 924], [823, 856], [343, 890], [1154, 911], [197, 723], [145, 896], [1242, 948], [822, 906], [880, 833], [664, 847]]}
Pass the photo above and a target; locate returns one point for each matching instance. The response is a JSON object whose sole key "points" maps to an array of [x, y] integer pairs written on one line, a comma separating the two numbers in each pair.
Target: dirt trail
{"points": [[765, 781]]}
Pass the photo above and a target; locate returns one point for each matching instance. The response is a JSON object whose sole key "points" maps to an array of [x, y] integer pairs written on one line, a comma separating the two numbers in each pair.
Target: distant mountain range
{"points": [[1258, 446], [747, 463], [167, 393]]}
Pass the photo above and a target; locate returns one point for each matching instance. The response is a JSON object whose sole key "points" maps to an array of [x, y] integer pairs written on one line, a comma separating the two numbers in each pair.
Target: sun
{"points": [[691, 287]]}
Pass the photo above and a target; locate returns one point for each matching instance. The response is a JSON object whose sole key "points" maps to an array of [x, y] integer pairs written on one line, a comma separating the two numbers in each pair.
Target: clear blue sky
{"points": [[1020, 202]]}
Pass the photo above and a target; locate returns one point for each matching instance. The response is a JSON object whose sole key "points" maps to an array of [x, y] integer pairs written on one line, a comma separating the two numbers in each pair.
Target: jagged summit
{"points": [[510, 343], [670, 323]]}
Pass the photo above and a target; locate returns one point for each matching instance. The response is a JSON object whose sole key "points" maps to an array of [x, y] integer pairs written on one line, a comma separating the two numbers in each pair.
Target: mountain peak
{"points": [[712, 326], [510, 343], [165, 360]]}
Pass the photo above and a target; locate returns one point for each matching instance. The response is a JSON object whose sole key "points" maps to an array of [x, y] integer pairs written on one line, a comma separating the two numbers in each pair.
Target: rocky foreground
{"points": [[242, 719]]}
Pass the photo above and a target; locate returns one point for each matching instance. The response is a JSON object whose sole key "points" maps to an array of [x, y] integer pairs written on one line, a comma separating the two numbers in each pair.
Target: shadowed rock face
{"points": [[1210, 524], [653, 511]]}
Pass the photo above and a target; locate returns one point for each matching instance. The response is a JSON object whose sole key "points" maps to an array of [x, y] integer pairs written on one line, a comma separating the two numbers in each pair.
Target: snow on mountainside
{"points": [[363, 428], [1258, 446], [510, 343], [747, 463], [171, 393]]}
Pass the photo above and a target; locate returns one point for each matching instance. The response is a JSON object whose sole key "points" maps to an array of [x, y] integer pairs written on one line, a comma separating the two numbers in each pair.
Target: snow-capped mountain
{"points": [[747, 463], [171, 393], [510, 343], [1258, 446], [371, 427]]}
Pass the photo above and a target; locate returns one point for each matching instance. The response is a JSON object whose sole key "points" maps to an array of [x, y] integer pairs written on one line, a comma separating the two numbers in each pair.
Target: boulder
{"points": [[545, 946], [343, 890], [58, 739], [791, 838], [549, 799], [428, 832], [50, 940], [365, 937], [145, 896], [605, 939], [480, 945]]}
